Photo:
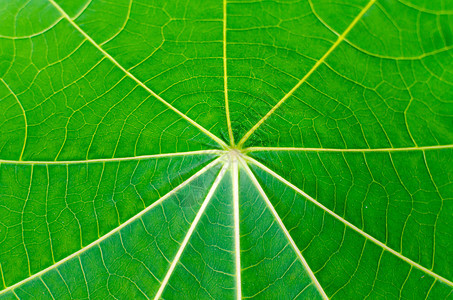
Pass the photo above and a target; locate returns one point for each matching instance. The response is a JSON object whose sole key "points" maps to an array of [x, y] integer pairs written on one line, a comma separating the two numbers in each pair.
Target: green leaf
{"points": [[226, 149]]}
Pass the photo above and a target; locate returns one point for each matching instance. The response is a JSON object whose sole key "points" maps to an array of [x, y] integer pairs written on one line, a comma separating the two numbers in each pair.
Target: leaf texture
{"points": [[226, 149]]}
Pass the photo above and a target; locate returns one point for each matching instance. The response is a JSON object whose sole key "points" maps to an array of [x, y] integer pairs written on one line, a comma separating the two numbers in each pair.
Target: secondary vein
{"points": [[25, 117]]}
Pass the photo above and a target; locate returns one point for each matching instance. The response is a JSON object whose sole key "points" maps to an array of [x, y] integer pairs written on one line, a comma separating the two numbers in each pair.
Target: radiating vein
{"points": [[103, 160], [285, 230], [190, 231], [225, 73], [25, 117], [3, 276], [115, 230], [347, 223], [315, 66], [237, 237], [105, 53], [253, 149]]}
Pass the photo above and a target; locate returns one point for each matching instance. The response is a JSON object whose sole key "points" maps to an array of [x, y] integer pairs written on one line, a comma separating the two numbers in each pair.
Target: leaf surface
{"points": [[226, 149]]}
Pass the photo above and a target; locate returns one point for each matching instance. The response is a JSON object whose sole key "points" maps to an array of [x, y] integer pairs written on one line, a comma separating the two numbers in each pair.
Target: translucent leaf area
{"points": [[217, 149]]}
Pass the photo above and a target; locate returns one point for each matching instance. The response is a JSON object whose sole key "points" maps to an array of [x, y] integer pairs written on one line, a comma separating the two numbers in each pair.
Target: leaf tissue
{"points": [[226, 149]]}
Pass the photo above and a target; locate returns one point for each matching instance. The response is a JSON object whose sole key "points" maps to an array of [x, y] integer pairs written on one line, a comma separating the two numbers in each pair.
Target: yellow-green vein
{"points": [[347, 223], [115, 230], [190, 231], [116, 63], [25, 117], [285, 230], [225, 74], [315, 66]]}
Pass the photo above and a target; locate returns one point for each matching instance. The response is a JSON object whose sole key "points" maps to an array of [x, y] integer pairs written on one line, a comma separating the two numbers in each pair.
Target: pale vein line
{"points": [[84, 8], [25, 117], [102, 160], [225, 73], [105, 53], [190, 232], [122, 27], [115, 230], [3, 276], [315, 66], [22, 37], [84, 276], [286, 232], [22, 221], [426, 10], [235, 178], [417, 57], [15, 295], [254, 149], [47, 288], [355, 228]]}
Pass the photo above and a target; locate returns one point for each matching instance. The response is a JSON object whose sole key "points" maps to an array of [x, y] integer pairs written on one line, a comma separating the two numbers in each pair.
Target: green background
{"points": [[220, 149]]}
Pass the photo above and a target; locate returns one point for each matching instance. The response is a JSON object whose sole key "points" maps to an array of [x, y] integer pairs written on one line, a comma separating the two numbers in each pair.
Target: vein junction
{"points": [[230, 157]]}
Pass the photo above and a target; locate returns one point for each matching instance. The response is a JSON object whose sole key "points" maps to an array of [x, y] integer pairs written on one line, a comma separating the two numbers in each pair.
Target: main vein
{"points": [[237, 237], [315, 66], [105, 53], [295, 149], [347, 223], [285, 230], [117, 229], [225, 73], [190, 232], [102, 160]]}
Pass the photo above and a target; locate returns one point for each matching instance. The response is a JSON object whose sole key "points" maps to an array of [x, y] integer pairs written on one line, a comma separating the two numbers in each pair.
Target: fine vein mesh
{"points": [[106, 107]]}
